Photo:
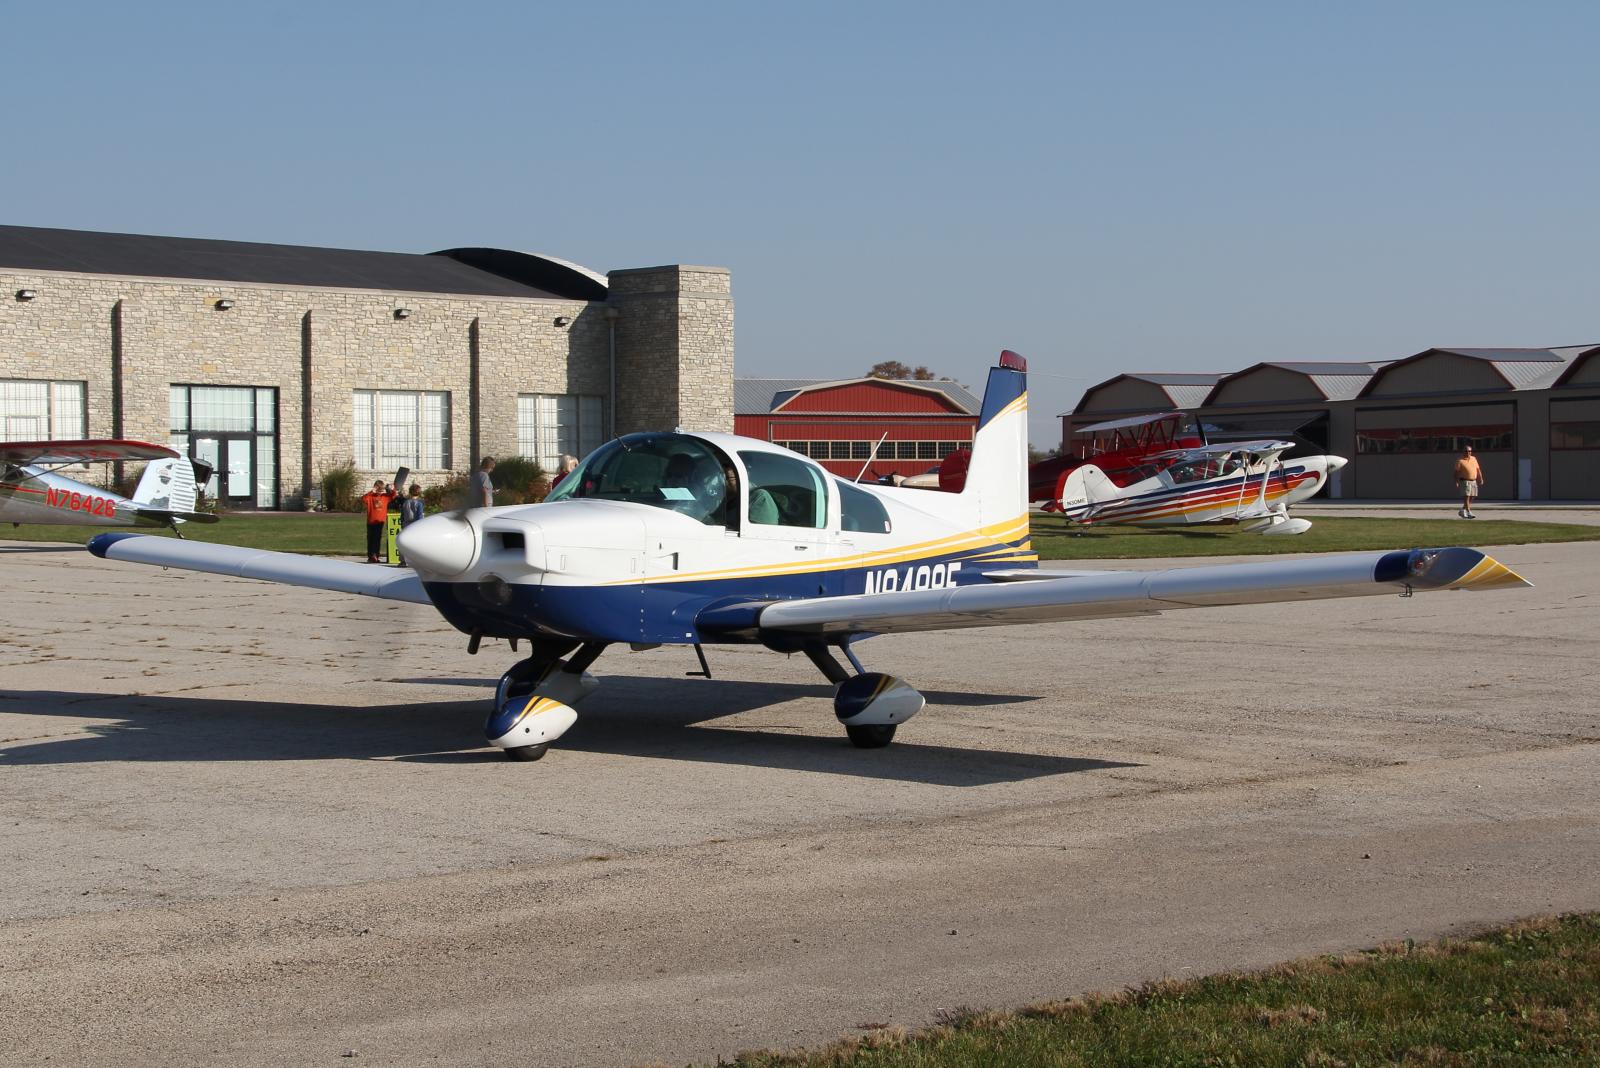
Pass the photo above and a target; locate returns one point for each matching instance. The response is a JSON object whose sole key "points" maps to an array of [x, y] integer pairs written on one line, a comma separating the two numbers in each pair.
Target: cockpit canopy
{"points": [[692, 476], [672, 471]]}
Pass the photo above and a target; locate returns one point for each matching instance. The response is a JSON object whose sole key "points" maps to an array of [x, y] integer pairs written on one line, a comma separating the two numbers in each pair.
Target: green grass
{"points": [[1528, 994], [343, 534], [322, 533], [1054, 540]]}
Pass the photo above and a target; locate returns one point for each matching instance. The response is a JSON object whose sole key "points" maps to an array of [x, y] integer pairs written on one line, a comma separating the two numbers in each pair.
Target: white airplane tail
{"points": [[997, 477], [167, 486], [1086, 487]]}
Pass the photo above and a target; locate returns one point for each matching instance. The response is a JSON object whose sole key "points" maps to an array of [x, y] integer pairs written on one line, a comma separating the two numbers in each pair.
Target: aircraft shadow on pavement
{"points": [[652, 718]]}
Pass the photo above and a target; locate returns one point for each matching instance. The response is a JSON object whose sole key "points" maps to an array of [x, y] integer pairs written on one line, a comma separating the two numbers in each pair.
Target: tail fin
{"points": [[997, 477], [167, 486], [1084, 490]]}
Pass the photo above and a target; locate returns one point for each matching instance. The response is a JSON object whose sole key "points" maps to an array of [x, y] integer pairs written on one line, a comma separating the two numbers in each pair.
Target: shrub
{"points": [[446, 495], [339, 489], [519, 480]]}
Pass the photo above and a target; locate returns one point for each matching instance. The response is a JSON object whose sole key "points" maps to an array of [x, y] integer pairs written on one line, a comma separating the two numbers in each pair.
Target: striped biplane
{"points": [[1247, 483]]}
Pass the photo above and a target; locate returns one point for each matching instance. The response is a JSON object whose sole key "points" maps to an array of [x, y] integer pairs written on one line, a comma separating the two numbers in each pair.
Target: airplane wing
{"points": [[1061, 596], [1130, 421], [340, 576], [81, 451]]}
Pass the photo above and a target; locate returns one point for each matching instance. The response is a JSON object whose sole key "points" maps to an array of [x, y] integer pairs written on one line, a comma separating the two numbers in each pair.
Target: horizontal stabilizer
{"points": [[165, 515], [340, 576]]}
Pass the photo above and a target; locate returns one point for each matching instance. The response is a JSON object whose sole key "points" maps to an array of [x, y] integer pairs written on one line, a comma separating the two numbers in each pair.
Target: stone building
{"points": [[1531, 414], [278, 362]]}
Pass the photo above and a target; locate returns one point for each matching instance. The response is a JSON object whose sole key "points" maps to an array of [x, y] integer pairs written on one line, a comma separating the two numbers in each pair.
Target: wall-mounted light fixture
{"points": [[223, 305], [563, 320], [402, 313], [27, 294]]}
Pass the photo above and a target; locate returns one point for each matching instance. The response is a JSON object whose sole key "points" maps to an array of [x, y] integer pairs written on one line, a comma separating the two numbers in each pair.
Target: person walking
{"points": [[1469, 479], [376, 501], [481, 494]]}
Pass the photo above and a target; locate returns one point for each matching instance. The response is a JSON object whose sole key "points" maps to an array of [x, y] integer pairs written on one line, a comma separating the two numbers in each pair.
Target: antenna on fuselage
{"points": [[873, 455]]}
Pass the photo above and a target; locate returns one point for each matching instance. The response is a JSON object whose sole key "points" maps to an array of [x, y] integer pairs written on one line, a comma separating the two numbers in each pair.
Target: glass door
{"points": [[232, 457]]}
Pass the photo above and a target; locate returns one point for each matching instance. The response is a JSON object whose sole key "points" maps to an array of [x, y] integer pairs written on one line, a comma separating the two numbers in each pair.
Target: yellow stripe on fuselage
{"points": [[995, 536]]}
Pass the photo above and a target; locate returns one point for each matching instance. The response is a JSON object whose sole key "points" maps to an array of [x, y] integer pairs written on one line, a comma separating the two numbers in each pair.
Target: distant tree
{"points": [[896, 370]]}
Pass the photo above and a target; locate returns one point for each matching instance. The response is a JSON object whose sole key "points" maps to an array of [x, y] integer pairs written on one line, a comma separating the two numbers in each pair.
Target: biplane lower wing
{"points": [[1048, 597]]}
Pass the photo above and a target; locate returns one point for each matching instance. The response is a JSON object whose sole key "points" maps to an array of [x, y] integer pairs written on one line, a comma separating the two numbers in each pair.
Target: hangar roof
{"points": [[1518, 368], [1183, 389], [1334, 379], [467, 271], [757, 396], [1576, 364]]}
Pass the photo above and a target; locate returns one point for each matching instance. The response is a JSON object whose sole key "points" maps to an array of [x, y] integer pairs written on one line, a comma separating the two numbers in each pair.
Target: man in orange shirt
{"points": [[1469, 477], [376, 501]]}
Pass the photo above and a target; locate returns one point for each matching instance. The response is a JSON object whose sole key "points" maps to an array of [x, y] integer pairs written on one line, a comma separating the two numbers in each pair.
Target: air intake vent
{"points": [[513, 539]]}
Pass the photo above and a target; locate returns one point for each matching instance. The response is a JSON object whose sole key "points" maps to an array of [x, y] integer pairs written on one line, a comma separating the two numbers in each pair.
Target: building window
{"points": [[234, 429], [395, 429], [1401, 431], [862, 450], [1575, 434], [1483, 437], [1575, 424], [550, 425], [32, 410]]}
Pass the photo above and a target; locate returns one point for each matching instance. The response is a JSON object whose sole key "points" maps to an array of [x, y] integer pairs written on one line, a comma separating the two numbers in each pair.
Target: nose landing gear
{"points": [[533, 701]]}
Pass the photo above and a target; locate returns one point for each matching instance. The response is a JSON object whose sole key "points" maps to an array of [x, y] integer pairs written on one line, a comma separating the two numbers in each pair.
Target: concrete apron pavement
{"points": [[1586, 514], [257, 822]]}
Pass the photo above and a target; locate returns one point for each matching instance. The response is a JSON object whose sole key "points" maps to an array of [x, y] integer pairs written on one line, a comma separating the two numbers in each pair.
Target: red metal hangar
{"points": [[838, 423]]}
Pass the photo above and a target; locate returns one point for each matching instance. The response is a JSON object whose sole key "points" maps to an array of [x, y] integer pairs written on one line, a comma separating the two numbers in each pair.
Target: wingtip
{"points": [[1490, 574], [101, 544], [1452, 568]]}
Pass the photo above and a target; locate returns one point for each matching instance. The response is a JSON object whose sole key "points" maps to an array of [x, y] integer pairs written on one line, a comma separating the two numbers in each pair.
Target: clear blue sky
{"points": [[1102, 187]]}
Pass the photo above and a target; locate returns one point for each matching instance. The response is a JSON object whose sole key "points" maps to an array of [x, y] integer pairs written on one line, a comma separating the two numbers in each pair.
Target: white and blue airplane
{"points": [[704, 538]]}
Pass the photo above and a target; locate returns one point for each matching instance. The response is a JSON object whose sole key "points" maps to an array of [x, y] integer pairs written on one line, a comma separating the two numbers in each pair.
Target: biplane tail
{"points": [[997, 477], [1084, 490]]}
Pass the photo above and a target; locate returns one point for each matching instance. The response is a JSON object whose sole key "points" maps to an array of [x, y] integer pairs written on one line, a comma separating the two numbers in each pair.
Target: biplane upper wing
{"points": [[1061, 596], [81, 452], [1129, 422]]}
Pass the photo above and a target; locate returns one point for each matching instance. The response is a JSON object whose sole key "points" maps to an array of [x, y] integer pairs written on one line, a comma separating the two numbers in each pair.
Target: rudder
{"points": [[997, 477], [167, 486]]}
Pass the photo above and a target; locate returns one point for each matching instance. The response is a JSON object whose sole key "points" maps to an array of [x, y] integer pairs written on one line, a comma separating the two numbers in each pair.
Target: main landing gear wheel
{"points": [[869, 705], [869, 735], [529, 752]]}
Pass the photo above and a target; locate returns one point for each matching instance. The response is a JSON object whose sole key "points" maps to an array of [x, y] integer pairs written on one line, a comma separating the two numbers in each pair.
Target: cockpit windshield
{"points": [[671, 471]]}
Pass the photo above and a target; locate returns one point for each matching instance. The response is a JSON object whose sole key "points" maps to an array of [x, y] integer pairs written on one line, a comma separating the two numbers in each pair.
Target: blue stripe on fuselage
{"points": [[667, 612]]}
